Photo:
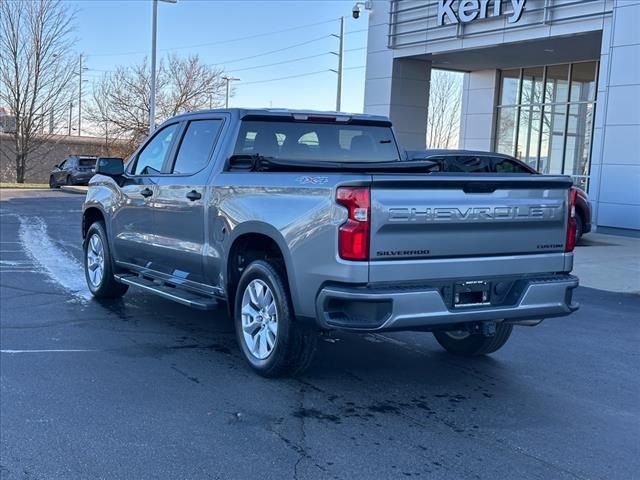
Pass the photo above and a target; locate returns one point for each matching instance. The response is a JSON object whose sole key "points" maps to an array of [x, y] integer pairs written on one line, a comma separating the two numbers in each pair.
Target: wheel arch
{"points": [[262, 241], [90, 216]]}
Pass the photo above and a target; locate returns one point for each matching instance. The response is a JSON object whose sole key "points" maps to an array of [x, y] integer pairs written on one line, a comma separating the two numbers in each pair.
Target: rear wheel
{"points": [[98, 268], [270, 339], [579, 227], [461, 342]]}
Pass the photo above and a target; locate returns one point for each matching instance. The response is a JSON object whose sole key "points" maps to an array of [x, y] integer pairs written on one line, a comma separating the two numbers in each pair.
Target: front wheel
{"points": [[270, 339], [463, 343], [52, 182], [98, 268]]}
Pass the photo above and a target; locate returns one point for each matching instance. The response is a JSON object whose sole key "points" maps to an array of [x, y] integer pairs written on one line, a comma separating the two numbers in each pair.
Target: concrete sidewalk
{"points": [[608, 262]]}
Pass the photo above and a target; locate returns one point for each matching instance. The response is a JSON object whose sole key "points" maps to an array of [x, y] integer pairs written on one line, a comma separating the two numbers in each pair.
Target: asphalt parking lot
{"points": [[145, 388]]}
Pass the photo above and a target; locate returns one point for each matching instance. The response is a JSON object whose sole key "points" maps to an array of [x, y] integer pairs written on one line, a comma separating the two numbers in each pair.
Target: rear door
{"points": [[439, 217], [180, 202], [65, 171]]}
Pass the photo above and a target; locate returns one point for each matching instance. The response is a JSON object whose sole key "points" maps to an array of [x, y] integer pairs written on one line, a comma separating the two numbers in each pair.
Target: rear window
{"points": [[87, 162], [506, 165], [329, 142], [467, 164]]}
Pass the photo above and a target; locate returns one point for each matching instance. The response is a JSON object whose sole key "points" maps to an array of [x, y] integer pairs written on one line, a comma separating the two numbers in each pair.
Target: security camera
{"points": [[368, 5]]}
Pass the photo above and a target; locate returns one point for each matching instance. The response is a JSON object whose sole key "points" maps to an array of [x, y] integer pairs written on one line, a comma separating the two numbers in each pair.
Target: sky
{"points": [[111, 33]]}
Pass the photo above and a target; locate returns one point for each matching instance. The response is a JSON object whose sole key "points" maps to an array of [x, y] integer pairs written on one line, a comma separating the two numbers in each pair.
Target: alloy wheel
{"points": [[259, 319], [95, 260]]}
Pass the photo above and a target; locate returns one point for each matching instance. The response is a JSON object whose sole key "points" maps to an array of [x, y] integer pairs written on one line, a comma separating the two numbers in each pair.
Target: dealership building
{"points": [[555, 83]]}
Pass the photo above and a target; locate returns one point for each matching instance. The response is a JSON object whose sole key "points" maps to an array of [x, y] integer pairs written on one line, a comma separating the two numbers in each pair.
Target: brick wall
{"points": [[49, 153]]}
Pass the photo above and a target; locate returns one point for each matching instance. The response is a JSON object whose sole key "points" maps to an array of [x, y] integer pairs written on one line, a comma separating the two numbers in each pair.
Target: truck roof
{"points": [[286, 112]]}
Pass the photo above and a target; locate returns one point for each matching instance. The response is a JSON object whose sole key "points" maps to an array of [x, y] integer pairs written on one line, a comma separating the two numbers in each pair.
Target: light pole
{"points": [[228, 80], [152, 99], [80, 96], [340, 54]]}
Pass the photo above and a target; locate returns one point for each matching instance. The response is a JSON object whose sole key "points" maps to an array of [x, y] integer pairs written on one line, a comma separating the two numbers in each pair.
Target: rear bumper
{"points": [[424, 308]]}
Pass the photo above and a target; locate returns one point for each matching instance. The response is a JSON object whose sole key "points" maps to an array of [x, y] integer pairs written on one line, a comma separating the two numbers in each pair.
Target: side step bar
{"points": [[176, 294]]}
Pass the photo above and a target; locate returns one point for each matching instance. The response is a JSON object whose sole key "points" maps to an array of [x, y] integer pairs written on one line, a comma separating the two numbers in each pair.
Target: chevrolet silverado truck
{"points": [[305, 222]]}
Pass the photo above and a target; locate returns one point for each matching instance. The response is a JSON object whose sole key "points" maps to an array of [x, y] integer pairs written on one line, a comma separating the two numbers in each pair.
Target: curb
{"points": [[74, 189]]}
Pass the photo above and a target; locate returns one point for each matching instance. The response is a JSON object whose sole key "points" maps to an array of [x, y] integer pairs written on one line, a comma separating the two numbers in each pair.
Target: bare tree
{"points": [[121, 99], [36, 71], [445, 98]]}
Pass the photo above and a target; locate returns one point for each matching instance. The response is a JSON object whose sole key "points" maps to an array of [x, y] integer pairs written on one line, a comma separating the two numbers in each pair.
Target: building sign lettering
{"points": [[469, 10]]}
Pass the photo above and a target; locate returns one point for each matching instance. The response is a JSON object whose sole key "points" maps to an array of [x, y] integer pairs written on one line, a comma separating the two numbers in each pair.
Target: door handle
{"points": [[193, 195], [146, 192]]}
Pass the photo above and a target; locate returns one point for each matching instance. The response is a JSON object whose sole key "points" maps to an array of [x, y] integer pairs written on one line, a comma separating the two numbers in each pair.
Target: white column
{"points": [[396, 87], [615, 165], [477, 122]]}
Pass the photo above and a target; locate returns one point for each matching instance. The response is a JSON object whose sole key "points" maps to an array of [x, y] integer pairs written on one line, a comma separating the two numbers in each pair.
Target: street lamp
{"points": [[152, 100], [228, 80]]}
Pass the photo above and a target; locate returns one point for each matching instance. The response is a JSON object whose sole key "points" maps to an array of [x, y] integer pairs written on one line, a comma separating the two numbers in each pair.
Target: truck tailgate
{"points": [[426, 223]]}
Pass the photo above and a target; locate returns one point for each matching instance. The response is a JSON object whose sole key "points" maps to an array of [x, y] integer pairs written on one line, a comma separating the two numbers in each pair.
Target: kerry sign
{"points": [[465, 11]]}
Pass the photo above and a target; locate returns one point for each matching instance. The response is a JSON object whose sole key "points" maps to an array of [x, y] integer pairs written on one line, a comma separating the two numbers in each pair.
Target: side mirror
{"points": [[110, 166], [56, 166]]}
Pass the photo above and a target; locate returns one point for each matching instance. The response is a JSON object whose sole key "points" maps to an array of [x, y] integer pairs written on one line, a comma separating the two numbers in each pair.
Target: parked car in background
{"points": [[468, 161], [75, 170]]}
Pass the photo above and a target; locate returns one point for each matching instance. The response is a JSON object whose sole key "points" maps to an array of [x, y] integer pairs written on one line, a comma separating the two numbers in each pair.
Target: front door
{"points": [[180, 212], [133, 220]]}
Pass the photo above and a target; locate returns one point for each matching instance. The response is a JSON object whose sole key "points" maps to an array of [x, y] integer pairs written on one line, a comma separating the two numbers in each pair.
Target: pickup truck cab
{"points": [[304, 222]]}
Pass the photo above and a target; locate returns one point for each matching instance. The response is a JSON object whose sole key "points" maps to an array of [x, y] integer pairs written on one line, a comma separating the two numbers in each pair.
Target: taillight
{"points": [[570, 244], [353, 235]]}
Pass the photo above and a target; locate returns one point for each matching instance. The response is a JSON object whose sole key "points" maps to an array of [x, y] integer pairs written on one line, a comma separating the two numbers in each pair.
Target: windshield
{"points": [[318, 142]]}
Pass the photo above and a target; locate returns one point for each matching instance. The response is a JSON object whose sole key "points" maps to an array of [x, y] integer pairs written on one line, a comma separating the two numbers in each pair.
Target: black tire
{"points": [[295, 344], [52, 182], [474, 345], [579, 227], [107, 287]]}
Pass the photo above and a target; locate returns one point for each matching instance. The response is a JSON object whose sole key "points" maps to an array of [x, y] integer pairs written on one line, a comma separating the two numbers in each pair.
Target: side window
{"points": [[505, 165], [196, 146], [153, 155], [63, 165]]}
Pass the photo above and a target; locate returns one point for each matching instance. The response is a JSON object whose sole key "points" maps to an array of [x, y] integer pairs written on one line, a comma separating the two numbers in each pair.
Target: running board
{"points": [[176, 294]]}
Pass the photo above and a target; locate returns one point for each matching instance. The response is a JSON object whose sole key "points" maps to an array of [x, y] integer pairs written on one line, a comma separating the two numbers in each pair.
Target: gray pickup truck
{"points": [[306, 222]]}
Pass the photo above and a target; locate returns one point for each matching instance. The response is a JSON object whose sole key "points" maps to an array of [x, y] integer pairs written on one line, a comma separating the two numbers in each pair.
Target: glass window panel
{"points": [[153, 155], [583, 82], [509, 90], [553, 123], [506, 130], [468, 164], [532, 85], [578, 139], [196, 146], [528, 135], [557, 89], [506, 165]]}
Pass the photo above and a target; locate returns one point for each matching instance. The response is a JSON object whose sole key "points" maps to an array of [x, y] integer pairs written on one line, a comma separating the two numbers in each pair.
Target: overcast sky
{"points": [[114, 32]]}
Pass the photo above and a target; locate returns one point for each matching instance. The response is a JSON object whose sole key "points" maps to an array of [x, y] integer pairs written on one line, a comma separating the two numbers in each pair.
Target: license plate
{"points": [[471, 294]]}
